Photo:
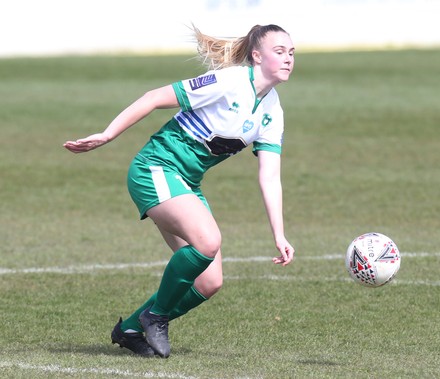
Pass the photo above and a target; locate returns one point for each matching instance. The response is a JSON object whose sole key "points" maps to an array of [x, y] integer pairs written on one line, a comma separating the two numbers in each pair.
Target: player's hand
{"points": [[287, 253], [86, 144]]}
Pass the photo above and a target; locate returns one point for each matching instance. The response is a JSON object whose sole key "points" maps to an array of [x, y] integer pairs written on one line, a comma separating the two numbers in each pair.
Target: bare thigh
{"points": [[186, 217]]}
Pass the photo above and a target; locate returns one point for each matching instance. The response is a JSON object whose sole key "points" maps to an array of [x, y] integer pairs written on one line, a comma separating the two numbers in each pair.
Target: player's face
{"points": [[277, 56]]}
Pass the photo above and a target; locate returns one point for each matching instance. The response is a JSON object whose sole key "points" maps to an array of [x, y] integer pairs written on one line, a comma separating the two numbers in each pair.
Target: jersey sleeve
{"points": [[200, 91], [271, 137], [274, 148]]}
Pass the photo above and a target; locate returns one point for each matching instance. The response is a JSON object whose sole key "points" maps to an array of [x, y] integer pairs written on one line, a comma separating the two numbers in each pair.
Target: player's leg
{"points": [[205, 286], [160, 193], [209, 281], [188, 218]]}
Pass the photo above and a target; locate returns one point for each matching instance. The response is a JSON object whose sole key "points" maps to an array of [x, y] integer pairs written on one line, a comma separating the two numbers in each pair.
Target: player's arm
{"points": [[269, 164], [159, 98]]}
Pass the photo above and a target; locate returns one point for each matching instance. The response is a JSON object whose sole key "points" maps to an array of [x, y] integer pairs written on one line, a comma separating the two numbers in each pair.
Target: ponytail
{"points": [[219, 53]]}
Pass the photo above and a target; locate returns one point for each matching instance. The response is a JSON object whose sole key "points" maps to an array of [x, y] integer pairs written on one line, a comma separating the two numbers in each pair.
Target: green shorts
{"points": [[157, 173], [151, 185]]}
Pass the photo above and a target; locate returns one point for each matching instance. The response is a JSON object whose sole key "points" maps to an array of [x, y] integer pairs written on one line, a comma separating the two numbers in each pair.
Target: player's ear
{"points": [[256, 56]]}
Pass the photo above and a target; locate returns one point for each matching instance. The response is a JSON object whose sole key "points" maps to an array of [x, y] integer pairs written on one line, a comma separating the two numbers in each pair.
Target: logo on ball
{"points": [[372, 259]]}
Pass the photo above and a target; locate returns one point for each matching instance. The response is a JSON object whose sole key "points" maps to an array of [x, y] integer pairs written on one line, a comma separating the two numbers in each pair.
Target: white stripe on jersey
{"points": [[160, 183]]}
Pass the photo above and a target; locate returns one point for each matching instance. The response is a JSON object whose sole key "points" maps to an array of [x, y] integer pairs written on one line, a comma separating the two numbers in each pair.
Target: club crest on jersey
{"points": [[267, 119], [202, 81], [234, 107], [247, 125]]}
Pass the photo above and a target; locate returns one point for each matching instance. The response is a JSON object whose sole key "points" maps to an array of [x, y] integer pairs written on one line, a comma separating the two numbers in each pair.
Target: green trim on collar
{"points": [[252, 78]]}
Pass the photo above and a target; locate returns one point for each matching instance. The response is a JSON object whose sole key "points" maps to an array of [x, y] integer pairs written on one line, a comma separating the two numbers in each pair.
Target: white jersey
{"points": [[220, 109]]}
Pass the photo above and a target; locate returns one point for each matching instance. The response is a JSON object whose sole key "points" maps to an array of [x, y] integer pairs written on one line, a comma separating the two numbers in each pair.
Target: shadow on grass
{"points": [[104, 349]]}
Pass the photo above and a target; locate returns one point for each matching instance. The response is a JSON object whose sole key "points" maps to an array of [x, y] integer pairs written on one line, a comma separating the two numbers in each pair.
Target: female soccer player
{"points": [[221, 112]]}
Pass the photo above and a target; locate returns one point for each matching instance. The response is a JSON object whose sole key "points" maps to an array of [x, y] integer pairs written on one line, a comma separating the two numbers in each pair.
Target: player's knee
{"points": [[210, 287], [216, 286], [210, 245]]}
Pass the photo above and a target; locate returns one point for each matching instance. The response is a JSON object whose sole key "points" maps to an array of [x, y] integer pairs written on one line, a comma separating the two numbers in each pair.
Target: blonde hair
{"points": [[219, 53]]}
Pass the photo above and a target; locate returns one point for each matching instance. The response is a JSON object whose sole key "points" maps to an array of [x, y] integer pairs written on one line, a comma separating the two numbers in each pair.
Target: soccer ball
{"points": [[372, 259]]}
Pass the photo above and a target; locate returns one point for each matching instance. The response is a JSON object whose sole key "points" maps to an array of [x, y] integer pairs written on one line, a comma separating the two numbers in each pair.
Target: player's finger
{"points": [[278, 260]]}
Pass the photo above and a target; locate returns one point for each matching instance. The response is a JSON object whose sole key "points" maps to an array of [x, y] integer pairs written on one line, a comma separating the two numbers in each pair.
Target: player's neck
{"points": [[261, 84]]}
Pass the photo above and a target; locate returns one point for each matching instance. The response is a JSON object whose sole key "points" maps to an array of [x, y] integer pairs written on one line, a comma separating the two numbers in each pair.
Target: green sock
{"points": [[190, 300], [132, 322], [183, 268]]}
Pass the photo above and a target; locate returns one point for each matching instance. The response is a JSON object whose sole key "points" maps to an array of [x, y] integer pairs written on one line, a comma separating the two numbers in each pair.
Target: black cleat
{"points": [[156, 331], [135, 342]]}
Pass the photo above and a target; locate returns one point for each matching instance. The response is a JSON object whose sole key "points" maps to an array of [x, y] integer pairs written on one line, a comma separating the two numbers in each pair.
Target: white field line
{"points": [[84, 371], [291, 278], [80, 269]]}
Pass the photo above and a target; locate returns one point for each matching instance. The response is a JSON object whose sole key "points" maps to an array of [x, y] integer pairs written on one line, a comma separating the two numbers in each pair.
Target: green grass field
{"points": [[361, 153]]}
